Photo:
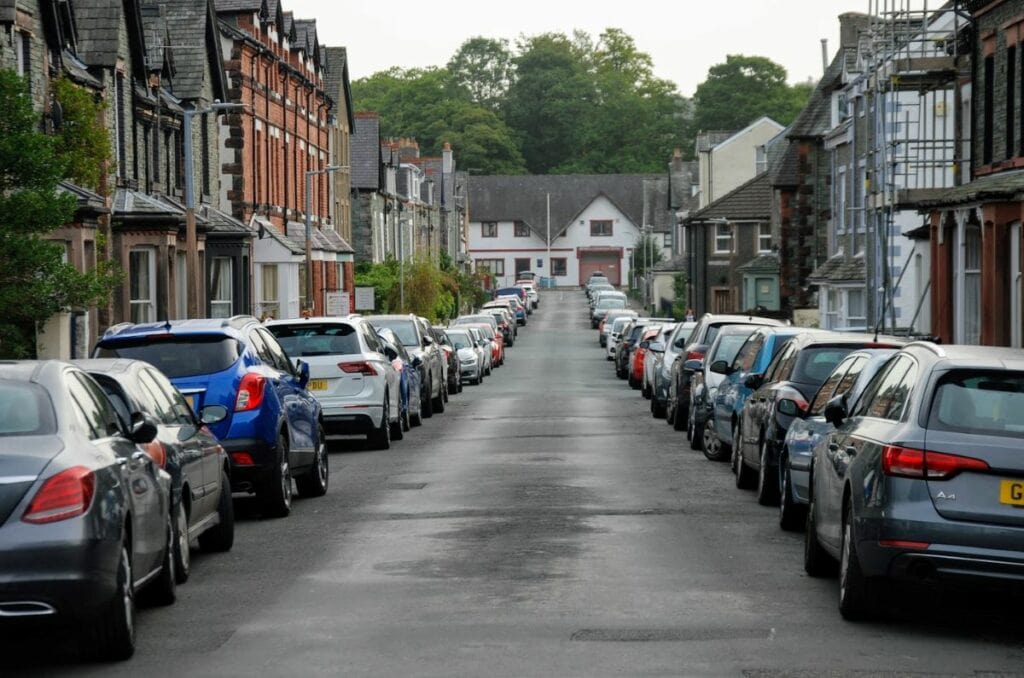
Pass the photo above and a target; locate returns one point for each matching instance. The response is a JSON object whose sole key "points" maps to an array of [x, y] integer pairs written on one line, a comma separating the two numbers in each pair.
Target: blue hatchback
{"points": [[236, 376]]}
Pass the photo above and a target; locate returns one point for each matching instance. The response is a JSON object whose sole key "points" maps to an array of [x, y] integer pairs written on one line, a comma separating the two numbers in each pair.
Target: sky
{"points": [[683, 37]]}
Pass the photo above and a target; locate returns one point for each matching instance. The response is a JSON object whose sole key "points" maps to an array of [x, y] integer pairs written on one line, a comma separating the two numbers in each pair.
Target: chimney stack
{"points": [[851, 25]]}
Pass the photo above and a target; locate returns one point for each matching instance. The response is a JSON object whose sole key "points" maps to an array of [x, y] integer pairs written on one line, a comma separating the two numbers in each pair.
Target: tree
{"points": [[483, 68], [743, 89], [35, 283], [646, 255], [84, 142]]}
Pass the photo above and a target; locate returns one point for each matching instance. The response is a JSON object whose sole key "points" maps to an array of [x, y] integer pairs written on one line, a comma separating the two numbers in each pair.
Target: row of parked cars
{"points": [[900, 460], [113, 468]]}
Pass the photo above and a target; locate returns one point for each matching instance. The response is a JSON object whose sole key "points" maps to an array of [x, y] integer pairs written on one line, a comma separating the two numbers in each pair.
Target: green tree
{"points": [[483, 68], [35, 283], [646, 254], [383, 278], [742, 89], [84, 142]]}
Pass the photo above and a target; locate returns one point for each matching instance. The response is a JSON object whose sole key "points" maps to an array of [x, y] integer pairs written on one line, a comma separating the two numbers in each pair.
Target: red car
{"points": [[497, 342], [636, 368]]}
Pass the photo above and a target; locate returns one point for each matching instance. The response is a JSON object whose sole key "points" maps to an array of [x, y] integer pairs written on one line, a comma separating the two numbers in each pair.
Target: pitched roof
{"points": [[336, 79], [784, 162], [238, 6], [335, 239], [840, 268], [524, 198], [682, 180], [816, 117], [762, 262], [751, 201], [99, 23], [708, 140], [365, 152], [657, 212], [195, 44], [999, 186], [267, 229]]}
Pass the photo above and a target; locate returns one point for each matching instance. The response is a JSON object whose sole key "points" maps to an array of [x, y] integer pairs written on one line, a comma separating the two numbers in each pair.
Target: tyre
{"points": [[678, 423], [657, 408], [713, 448], [111, 635], [416, 418], [182, 551], [398, 428], [164, 589], [406, 425], [276, 493], [426, 401], [221, 537], [380, 437], [447, 389], [859, 595], [696, 435], [817, 561], [314, 482], [744, 476], [767, 479], [633, 383], [791, 514], [439, 401]]}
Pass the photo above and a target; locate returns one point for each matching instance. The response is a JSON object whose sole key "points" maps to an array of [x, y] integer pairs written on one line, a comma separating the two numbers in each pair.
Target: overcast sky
{"points": [[684, 37]]}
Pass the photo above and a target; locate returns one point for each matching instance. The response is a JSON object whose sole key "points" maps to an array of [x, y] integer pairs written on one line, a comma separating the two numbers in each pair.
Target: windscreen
{"points": [[979, 402], [728, 347], [304, 340], [25, 410], [403, 329], [178, 356], [460, 340], [815, 364], [612, 303]]}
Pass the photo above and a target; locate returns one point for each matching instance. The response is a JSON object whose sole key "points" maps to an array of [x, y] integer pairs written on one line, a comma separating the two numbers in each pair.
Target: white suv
{"points": [[356, 384]]}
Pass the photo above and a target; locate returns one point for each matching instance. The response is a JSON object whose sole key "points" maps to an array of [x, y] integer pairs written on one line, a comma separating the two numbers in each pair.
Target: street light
{"points": [[309, 227], [191, 238]]}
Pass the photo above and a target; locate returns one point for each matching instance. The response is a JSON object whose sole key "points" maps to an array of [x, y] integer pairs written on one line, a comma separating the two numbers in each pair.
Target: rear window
{"points": [[178, 356], [982, 402], [405, 330], [711, 335], [614, 302], [25, 410], [317, 339], [728, 347], [815, 363], [460, 340]]}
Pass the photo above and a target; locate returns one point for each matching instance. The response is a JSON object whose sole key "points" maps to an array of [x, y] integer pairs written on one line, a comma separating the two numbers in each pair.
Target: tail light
{"points": [[65, 495], [242, 459], [157, 452], [907, 462], [695, 355], [250, 392], [362, 367]]}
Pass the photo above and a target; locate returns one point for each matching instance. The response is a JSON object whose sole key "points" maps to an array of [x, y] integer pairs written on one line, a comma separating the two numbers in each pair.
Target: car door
{"points": [[300, 405], [375, 355], [755, 410], [144, 492]]}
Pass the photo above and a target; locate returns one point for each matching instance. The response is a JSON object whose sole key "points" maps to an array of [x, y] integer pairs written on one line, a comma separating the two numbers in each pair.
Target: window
{"points": [[831, 307], [24, 55], [221, 287], [840, 204], [205, 137], [162, 404], [977, 402], [142, 285], [522, 230], [119, 131], [489, 229], [760, 160], [181, 285], [279, 358], [856, 315], [1011, 97], [492, 266], [972, 284], [270, 303], [989, 111], [180, 357], [747, 355], [167, 162], [723, 238], [830, 386], [601, 228], [100, 415], [559, 267], [522, 266], [893, 392], [764, 238], [666, 240]]}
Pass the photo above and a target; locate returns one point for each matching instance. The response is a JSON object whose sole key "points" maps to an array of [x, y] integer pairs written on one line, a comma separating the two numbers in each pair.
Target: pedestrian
{"points": [[690, 316]]}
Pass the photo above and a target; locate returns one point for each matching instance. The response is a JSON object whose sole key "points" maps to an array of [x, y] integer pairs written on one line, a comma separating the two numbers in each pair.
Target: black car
{"points": [[201, 503], [454, 367], [415, 335], [85, 521], [782, 394]]}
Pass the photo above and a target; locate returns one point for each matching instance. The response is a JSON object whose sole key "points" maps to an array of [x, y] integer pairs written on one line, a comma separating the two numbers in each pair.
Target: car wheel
{"points": [[696, 435], [221, 537], [111, 637], [744, 476], [314, 482], [714, 450], [276, 494], [791, 514], [446, 390], [817, 561], [439, 401], [380, 437], [657, 408], [397, 428], [416, 418], [182, 550], [767, 481], [406, 425], [678, 423], [426, 400], [858, 594], [164, 589]]}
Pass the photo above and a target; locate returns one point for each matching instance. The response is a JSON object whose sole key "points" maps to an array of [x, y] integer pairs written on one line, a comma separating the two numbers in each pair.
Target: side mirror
{"points": [[694, 365], [143, 429], [680, 343], [657, 347], [303, 376], [754, 381], [789, 408], [213, 414], [835, 411], [417, 361], [645, 344], [390, 353], [721, 367], [427, 342]]}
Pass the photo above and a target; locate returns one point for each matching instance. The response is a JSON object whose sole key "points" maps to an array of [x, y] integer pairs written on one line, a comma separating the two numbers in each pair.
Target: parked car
{"points": [[201, 505], [477, 318], [518, 309], [604, 328], [471, 358], [753, 358], [531, 292], [922, 478], [408, 367], [454, 368], [349, 374], [782, 394], [417, 340], [847, 381], [654, 352], [661, 377], [636, 361], [598, 295], [603, 306], [697, 343], [484, 344], [85, 520], [517, 292], [496, 343], [236, 376], [506, 321], [630, 339], [704, 383], [597, 285], [618, 326]]}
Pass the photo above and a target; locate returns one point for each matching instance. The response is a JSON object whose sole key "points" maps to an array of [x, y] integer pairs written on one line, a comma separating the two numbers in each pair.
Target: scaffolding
{"points": [[911, 59]]}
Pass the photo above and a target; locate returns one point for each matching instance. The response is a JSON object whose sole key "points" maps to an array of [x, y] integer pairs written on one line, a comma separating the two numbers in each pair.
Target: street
{"points": [[545, 525]]}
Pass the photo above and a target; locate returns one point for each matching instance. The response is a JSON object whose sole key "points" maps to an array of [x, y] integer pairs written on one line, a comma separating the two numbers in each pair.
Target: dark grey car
{"points": [[416, 338], [84, 511], [923, 478]]}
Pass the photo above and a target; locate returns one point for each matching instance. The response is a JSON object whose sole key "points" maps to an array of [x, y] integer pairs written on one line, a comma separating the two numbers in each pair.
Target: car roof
{"points": [[393, 316], [957, 355], [28, 370], [818, 338], [180, 327], [325, 320], [109, 365], [737, 319]]}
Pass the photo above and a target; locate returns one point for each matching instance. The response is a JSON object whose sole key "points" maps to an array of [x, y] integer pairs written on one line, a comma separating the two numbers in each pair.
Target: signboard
{"points": [[337, 304], [364, 299]]}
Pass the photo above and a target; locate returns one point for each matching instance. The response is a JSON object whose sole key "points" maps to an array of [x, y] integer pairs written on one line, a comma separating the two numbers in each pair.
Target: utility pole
{"points": [[309, 229], [551, 271]]}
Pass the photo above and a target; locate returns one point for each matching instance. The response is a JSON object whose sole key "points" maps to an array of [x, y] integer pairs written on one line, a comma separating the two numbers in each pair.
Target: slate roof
{"points": [[154, 25], [840, 268], [97, 22], [297, 234], [288, 22], [305, 35], [658, 213], [215, 221], [8, 10], [336, 79], [78, 71], [335, 239], [816, 117], [523, 198], [194, 43], [1000, 186], [680, 262], [269, 230], [87, 200], [708, 140], [751, 201], [682, 182], [366, 153], [784, 163], [239, 6], [762, 262]]}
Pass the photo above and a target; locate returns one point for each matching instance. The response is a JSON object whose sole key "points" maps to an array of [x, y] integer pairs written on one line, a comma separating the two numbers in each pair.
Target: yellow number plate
{"points": [[1012, 492], [318, 385]]}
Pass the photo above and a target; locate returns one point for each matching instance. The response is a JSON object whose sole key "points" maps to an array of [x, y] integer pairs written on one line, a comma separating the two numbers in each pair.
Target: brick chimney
{"points": [[447, 159], [851, 25], [677, 160]]}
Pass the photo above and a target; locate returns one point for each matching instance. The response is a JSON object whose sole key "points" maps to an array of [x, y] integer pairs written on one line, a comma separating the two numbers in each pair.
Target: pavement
{"points": [[544, 525]]}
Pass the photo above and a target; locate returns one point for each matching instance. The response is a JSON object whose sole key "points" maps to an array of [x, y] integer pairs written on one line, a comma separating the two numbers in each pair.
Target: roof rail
{"points": [[237, 322], [114, 329], [934, 348]]}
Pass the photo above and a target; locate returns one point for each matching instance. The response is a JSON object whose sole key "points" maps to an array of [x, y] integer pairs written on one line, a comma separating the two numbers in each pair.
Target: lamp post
{"points": [[191, 237], [309, 228]]}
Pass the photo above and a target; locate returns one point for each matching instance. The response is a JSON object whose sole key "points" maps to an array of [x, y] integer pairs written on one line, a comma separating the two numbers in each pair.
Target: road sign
{"points": [[365, 299], [338, 304]]}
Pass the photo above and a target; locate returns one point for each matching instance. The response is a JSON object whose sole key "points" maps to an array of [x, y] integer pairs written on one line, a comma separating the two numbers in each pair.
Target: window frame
{"points": [[488, 229], [761, 235], [597, 228], [215, 301], [719, 237], [520, 229], [564, 261], [264, 300], [151, 302]]}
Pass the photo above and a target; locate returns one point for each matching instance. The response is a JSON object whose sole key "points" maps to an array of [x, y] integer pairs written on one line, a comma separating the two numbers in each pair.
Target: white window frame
{"points": [[719, 237], [220, 306], [270, 306], [491, 266], [146, 304], [23, 43], [764, 231], [853, 321], [666, 240]]}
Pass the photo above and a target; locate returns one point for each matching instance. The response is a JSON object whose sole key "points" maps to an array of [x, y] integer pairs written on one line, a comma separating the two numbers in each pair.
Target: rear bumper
{"points": [[353, 421], [244, 477]]}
